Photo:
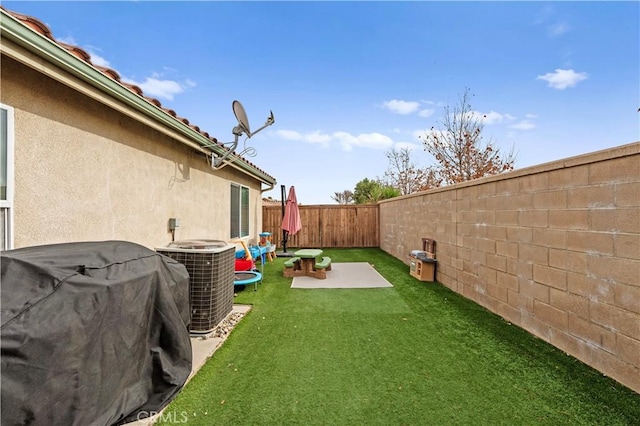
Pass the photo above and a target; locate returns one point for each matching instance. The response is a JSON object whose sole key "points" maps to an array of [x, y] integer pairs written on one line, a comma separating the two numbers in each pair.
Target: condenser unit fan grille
{"points": [[211, 277]]}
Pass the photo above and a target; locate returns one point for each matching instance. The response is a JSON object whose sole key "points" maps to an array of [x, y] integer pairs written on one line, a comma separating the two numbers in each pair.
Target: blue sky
{"points": [[348, 81]]}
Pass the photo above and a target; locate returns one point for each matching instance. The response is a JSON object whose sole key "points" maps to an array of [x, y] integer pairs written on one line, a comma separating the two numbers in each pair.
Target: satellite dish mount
{"points": [[242, 128]]}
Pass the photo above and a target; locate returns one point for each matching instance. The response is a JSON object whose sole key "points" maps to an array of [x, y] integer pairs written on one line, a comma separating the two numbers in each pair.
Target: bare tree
{"points": [[344, 197], [459, 149], [405, 176]]}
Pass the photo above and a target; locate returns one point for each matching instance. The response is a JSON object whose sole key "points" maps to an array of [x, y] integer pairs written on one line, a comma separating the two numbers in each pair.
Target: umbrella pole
{"points": [[284, 253], [285, 234], [285, 238]]}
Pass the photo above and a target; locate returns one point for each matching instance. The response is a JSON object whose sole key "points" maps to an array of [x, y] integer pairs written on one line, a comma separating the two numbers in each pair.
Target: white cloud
{"points": [[164, 89], [493, 117], [558, 29], [96, 58], [401, 107], [68, 40], [523, 125], [530, 115], [317, 137], [346, 140], [291, 135], [426, 113], [409, 107], [156, 86], [99, 60], [152, 86], [562, 79], [363, 140]]}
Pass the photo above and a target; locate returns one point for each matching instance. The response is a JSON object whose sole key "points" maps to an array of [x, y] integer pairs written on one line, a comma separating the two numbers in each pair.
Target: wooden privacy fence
{"points": [[326, 226]]}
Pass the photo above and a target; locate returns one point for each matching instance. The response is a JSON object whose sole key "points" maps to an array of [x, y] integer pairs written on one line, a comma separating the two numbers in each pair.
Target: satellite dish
{"points": [[242, 128], [241, 116]]}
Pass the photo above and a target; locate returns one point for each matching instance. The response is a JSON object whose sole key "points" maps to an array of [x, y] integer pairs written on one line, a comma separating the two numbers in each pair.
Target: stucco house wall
{"points": [[554, 249], [88, 168]]}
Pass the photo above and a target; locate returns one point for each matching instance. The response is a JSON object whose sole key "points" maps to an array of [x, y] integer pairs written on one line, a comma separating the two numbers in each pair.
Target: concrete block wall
{"points": [[554, 249]]}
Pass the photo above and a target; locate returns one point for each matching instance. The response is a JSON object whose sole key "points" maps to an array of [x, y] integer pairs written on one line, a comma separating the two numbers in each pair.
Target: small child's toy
{"points": [[244, 259]]}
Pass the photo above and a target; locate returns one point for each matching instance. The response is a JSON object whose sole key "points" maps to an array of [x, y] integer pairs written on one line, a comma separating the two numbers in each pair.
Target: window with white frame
{"points": [[239, 211], [6, 177]]}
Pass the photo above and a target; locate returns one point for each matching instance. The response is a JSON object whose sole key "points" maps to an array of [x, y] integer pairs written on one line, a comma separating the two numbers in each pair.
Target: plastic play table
{"points": [[308, 260]]}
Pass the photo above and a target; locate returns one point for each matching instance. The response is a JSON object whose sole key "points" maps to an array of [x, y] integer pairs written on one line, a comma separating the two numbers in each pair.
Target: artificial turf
{"points": [[414, 354]]}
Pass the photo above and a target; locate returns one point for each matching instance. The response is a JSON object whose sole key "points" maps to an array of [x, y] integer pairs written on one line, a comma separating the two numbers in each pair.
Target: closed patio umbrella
{"points": [[291, 223]]}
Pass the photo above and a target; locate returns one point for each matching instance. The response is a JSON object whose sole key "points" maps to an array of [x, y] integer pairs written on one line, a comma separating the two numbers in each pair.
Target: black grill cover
{"points": [[92, 333]]}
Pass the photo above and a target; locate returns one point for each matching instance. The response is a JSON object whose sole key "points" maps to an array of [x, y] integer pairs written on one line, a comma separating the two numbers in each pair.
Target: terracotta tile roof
{"points": [[271, 202], [42, 29]]}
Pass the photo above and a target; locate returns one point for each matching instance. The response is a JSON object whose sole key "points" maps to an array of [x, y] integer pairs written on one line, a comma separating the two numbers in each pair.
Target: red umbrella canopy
{"points": [[291, 220]]}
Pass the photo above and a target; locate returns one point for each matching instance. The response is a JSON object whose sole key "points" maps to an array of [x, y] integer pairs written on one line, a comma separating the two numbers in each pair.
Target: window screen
{"points": [[239, 211]]}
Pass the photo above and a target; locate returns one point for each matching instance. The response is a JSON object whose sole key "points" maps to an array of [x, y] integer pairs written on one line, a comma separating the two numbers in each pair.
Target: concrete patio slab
{"points": [[345, 275]]}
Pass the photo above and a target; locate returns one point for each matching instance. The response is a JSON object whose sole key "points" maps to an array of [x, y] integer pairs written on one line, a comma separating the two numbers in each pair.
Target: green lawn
{"points": [[414, 354]]}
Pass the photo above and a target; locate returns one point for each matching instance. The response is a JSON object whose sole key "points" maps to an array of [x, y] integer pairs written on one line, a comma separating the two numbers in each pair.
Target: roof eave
{"points": [[14, 30]]}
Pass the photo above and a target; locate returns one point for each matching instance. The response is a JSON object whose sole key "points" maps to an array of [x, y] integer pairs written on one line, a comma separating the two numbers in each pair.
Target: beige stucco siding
{"points": [[86, 172]]}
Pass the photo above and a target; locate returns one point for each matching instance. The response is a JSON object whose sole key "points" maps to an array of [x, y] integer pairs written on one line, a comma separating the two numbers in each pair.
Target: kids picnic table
{"points": [[307, 262]]}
